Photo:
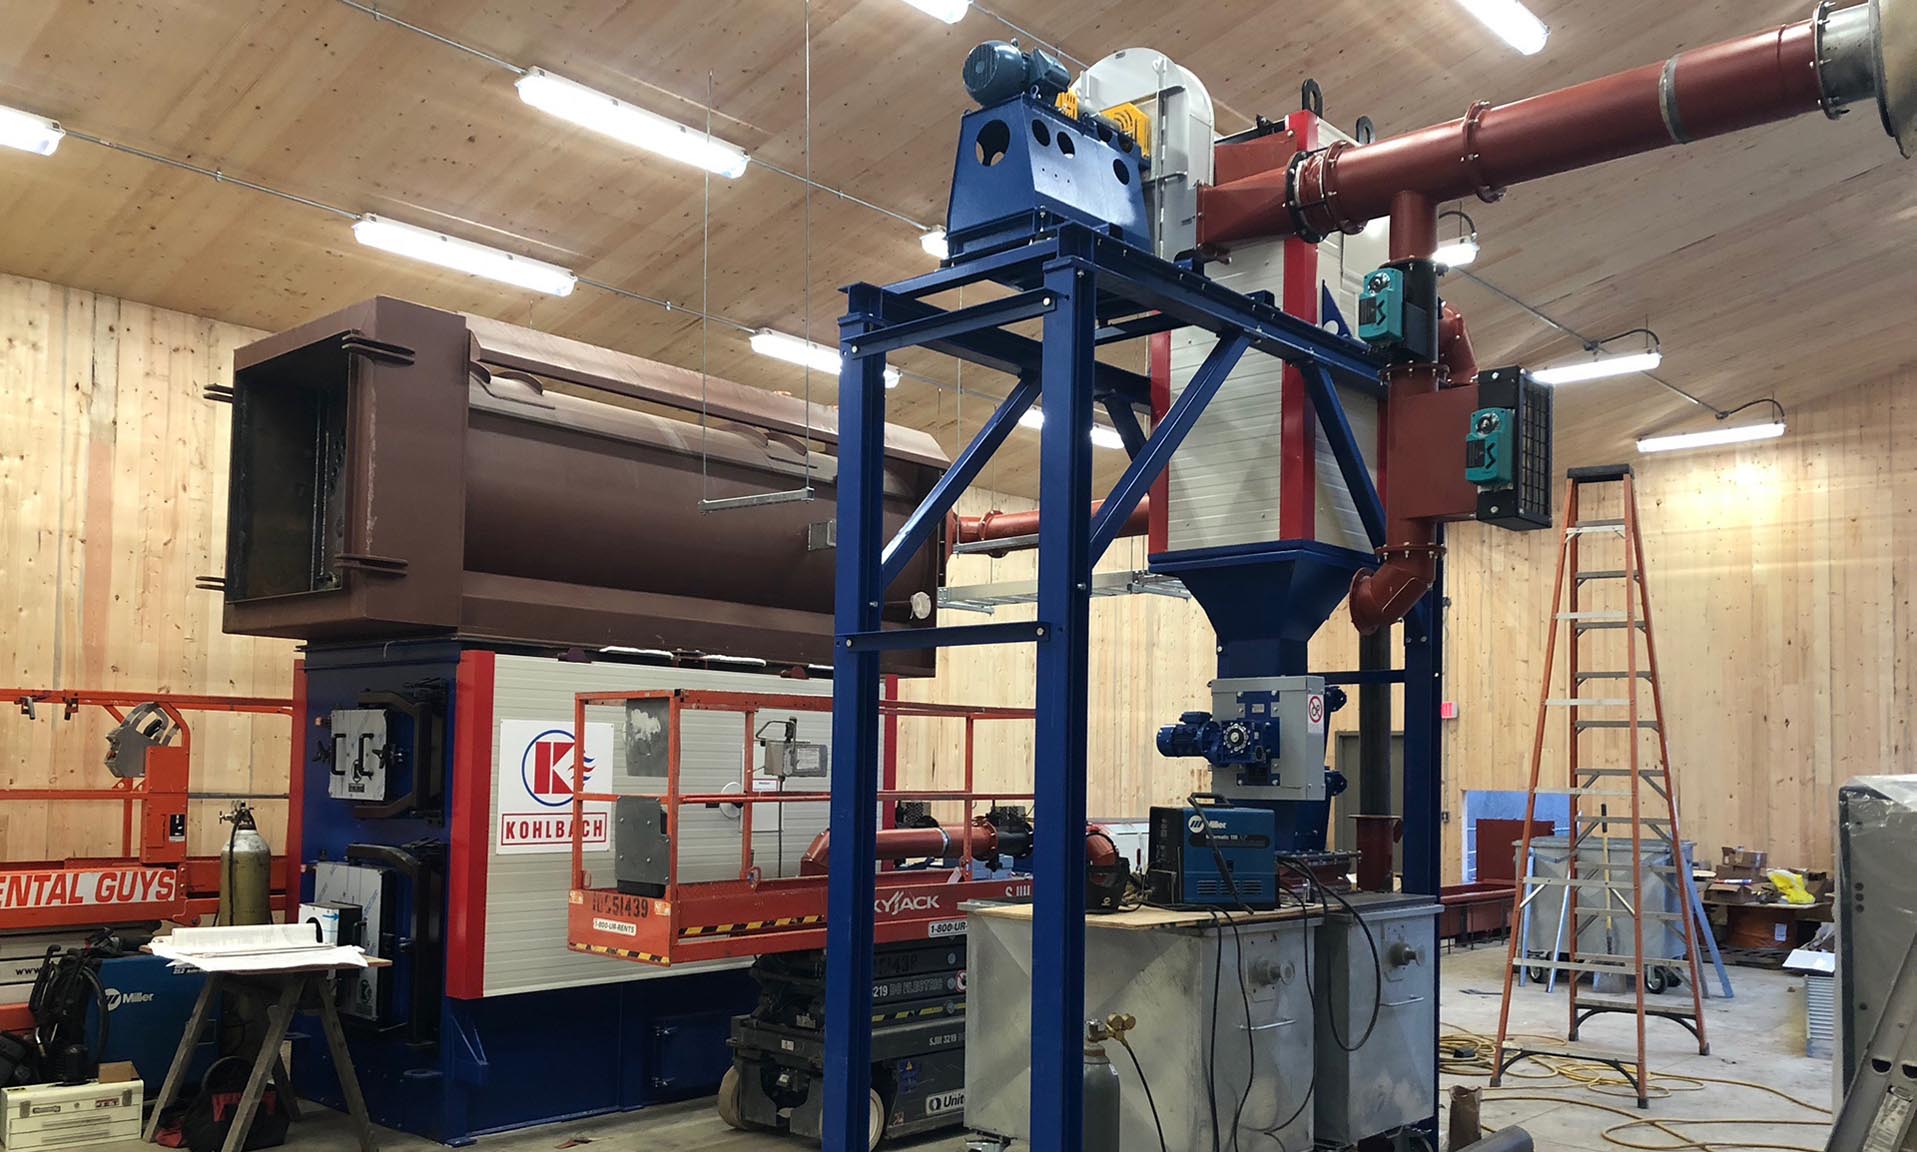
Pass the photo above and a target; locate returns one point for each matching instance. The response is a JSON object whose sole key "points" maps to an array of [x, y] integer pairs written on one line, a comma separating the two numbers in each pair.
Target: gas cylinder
{"points": [[246, 871], [1101, 1092]]}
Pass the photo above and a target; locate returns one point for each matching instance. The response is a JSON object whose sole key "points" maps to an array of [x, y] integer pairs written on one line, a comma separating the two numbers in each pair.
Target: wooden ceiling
{"points": [[1758, 258]]}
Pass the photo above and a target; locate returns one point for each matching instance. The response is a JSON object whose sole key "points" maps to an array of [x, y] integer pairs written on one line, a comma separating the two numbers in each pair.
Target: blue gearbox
{"points": [[1224, 743]]}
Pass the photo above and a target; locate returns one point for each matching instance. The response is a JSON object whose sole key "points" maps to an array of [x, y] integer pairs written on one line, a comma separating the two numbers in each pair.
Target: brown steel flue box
{"points": [[398, 470]]}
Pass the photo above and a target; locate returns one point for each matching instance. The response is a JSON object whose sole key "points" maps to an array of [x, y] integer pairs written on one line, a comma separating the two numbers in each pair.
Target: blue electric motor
{"points": [[1024, 165]]}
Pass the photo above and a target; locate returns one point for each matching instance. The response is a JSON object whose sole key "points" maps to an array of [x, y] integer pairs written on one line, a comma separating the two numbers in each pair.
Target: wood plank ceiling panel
{"points": [[1752, 256]]}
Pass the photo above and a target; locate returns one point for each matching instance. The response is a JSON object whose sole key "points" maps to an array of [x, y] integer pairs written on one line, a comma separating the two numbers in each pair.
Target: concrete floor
{"points": [[1758, 1036]]}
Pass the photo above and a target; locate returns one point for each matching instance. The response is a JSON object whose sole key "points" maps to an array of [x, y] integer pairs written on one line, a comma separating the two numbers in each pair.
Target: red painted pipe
{"points": [[908, 844], [1756, 79], [1455, 353], [945, 841], [1014, 526]]}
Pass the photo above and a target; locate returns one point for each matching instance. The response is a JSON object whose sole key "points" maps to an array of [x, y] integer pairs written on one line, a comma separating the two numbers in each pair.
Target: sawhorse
{"points": [[286, 993]]}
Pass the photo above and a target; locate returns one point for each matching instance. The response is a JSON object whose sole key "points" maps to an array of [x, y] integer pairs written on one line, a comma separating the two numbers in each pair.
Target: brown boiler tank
{"points": [[399, 470]]}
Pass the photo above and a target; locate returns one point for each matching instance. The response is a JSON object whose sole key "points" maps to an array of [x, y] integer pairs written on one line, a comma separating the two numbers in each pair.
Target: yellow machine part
{"points": [[1131, 119]]}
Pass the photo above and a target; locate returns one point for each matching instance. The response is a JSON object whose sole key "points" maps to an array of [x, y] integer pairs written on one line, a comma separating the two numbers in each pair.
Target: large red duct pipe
{"points": [[1757, 79], [1824, 63], [1018, 529]]}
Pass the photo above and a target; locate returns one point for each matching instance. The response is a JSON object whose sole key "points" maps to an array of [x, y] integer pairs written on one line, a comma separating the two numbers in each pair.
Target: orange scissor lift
{"points": [[153, 879], [753, 914]]}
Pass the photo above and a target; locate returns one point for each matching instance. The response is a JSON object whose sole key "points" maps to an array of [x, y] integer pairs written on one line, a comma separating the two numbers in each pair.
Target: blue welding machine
{"points": [[1213, 855]]}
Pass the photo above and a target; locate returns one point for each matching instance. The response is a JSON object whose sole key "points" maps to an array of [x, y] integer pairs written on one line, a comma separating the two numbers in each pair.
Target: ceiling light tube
{"points": [[463, 255], [808, 354], [950, 11], [1598, 369], [1512, 21], [1457, 253], [1103, 435], [1712, 438], [29, 133], [611, 116]]}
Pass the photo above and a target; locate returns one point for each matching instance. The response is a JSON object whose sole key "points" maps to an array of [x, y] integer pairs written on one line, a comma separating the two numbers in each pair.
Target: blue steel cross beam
{"points": [[1065, 280]]}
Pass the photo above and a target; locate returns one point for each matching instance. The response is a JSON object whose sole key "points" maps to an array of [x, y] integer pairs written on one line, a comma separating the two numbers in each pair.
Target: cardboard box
{"points": [[73, 1115]]}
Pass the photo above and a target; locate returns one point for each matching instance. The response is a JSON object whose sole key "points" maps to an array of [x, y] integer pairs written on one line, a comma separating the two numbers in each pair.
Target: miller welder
{"points": [[1213, 854]]}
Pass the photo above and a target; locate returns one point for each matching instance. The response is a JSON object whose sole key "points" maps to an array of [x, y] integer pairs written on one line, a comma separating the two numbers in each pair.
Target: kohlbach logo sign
{"points": [[541, 767]]}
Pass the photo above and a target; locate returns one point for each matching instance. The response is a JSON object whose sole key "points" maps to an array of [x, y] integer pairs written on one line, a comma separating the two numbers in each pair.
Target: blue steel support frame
{"points": [[857, 595], [1088, 290]]}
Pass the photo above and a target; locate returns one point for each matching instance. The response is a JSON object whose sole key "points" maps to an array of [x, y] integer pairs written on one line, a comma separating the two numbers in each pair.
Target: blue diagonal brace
{"points": [[1344, 447], [1165, 438], [905, 543], [1125, 423]]}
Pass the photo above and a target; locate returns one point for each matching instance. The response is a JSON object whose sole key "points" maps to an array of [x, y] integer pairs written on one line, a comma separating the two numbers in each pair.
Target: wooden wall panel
{"points": [[112, 500], [1780, 576], [1780, 579]]}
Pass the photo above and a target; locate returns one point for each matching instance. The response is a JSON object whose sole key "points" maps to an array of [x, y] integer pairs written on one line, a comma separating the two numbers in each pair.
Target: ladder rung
{"points": [[1599, 914], [1620, 793], [1629, 1004], [1590, 526], [1624, 964], [1622, 885], [1641, 674], [1603, 574], [1590, 702], [1647, 725], [1588, 625], [1606, 614], [1615, 818], [1619, 772]]}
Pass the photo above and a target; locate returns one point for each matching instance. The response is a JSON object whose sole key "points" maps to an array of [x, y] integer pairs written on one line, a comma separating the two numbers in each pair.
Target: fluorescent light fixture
{"points": [[610, 116], [1512, 21], [1599, 369], [463, 255], [1103, 436], [950, 11], [1716, 436], [807, 354], [1457, 253], [934, 244], [30, 133]]}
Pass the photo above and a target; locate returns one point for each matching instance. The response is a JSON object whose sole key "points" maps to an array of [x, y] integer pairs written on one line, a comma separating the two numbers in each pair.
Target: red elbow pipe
{"points": [[1455, 353]]}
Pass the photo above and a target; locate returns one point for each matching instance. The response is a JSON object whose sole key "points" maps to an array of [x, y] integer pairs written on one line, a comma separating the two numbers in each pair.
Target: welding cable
{"points": [[1377, 962], [1147, 1084], [1251, 1037], [1211, 1038], [1473, 1054], [1311, 1082]]}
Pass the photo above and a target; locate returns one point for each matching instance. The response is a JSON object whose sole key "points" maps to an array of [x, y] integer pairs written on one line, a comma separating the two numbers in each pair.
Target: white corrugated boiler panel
{"points": [[1224, 480], [1337, 519], [526, 893], [1343, 263]]}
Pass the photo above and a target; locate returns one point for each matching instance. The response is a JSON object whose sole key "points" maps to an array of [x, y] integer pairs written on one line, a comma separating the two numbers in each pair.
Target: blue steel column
{"points": [[855, 736], [1064, 581]]}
